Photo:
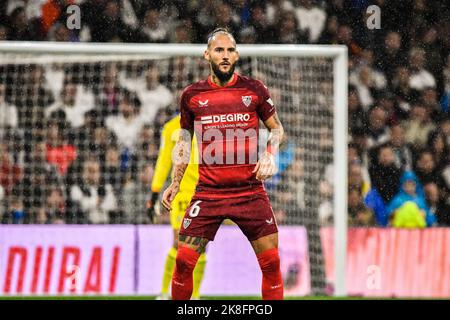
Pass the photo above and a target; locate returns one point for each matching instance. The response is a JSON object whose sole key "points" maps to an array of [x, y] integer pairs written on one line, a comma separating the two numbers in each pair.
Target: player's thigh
{"points": [[254, 216], [179, 206], [201, 221]]}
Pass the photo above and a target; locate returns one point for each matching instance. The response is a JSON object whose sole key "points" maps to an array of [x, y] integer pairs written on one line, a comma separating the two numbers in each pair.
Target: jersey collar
{"points": [[229, 84]]}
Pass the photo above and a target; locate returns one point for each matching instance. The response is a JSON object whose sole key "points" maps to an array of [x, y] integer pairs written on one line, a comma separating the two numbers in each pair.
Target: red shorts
{"points": [[253, 215]]}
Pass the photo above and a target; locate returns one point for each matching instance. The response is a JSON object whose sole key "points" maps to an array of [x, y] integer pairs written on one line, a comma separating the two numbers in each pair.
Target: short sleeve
{"points": [[187, 117], [265, 108]]}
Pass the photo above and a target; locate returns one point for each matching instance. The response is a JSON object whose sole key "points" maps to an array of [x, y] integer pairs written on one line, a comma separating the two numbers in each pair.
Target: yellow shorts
{"points": [[179, 205]]}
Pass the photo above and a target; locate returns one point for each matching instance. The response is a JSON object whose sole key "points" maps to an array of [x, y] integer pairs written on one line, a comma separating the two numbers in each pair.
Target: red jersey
{"points": [[226, 122]]}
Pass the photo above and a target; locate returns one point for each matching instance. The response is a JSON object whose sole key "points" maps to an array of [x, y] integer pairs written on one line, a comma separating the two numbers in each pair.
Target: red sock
{"points": [[272, 282], [182, 277]]}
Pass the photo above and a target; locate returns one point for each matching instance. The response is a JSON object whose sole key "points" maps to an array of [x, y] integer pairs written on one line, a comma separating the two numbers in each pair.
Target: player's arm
{"points": [[266, 166], [181, 155], [162, 168]]}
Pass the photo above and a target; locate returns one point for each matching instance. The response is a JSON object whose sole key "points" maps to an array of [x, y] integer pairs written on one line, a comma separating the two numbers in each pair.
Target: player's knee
{"points": [[269, 260], [186, 259]]}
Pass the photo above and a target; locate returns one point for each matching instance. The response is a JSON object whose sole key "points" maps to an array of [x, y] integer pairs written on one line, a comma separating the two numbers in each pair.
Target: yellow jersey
{"points": [[169, 137]]}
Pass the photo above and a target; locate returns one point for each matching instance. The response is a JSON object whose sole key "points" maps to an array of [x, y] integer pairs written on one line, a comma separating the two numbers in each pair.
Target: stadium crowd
{"points": [[79, 145]]}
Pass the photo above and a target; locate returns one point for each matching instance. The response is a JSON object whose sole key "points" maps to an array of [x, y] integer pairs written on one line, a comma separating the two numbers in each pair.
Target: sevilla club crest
{"points": [[186, 222], [247, 100]]}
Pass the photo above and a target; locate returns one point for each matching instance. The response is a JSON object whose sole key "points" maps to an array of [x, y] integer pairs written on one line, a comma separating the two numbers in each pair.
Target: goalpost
{"points": [[308, 84]]}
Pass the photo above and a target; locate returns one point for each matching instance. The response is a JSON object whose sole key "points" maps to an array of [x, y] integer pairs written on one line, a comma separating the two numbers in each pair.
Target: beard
{"points": [[223, 76]]}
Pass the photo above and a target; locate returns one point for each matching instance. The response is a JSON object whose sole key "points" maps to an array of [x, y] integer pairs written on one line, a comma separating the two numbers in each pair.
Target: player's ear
{"points": [[206, 55]]}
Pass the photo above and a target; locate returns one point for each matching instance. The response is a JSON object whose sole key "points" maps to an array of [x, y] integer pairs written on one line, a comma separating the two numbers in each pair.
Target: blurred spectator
{"points": [[418, 126], [20, 29], [402, 150], [408, 209], [439, 148], [444, 126], [368, 83], [274, 9], [108, 90], [391, 56], [110, 25], [10, 172], [15, 213], [384, 174], [426, 170], [345, 36], [3, 33], [128, 123], [356, 180], [31, 97], [357, 118], [8, 112], [429, 99], [153, 29], [151, 92], [433, 49], [135, 194], [94, 200], [242, 11], [358, 214], [224, 18], [378, 130], [59, 32], [439, 204], [394, 113], [183, 32], [59, 151], [311, 19], [54, 210], [262, 30], [420, 78], [403, 92], [71, 105], [330, 34], [113, 174], [287, 31], [146, 150]]}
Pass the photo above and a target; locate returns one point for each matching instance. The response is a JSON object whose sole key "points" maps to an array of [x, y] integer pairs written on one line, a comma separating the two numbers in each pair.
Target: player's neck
{"points": [[216, 81]]}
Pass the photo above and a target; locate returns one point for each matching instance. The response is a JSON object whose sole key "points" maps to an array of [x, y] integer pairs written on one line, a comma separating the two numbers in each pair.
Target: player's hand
{"points": [[151, 212], [169, 195], [266, 167]]}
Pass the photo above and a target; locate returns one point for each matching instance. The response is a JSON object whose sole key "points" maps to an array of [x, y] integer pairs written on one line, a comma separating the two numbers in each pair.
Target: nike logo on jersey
{"points": [[203, 104]]}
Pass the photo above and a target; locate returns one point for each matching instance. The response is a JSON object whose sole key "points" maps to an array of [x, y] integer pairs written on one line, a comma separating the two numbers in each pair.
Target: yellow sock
{"points": [[168, 270], [199, 271]]}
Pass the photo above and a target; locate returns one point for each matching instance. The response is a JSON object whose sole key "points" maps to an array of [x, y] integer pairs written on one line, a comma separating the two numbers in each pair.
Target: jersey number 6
{"points": [[195, 209]]}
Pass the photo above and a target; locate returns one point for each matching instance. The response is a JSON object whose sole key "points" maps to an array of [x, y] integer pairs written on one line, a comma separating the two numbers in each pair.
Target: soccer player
{"points": [[180, 202], [224, 112]]}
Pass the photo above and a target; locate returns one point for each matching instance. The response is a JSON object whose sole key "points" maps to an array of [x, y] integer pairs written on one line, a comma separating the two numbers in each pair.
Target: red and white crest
{"points": [[247, 100]]}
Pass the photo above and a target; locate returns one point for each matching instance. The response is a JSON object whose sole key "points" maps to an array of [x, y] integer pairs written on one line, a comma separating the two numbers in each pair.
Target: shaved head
{"points": [[218, 31]]}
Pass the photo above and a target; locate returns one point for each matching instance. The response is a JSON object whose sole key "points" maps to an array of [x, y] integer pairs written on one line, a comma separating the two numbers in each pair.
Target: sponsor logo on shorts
{"points": [[186, 223], [270, 221]]}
